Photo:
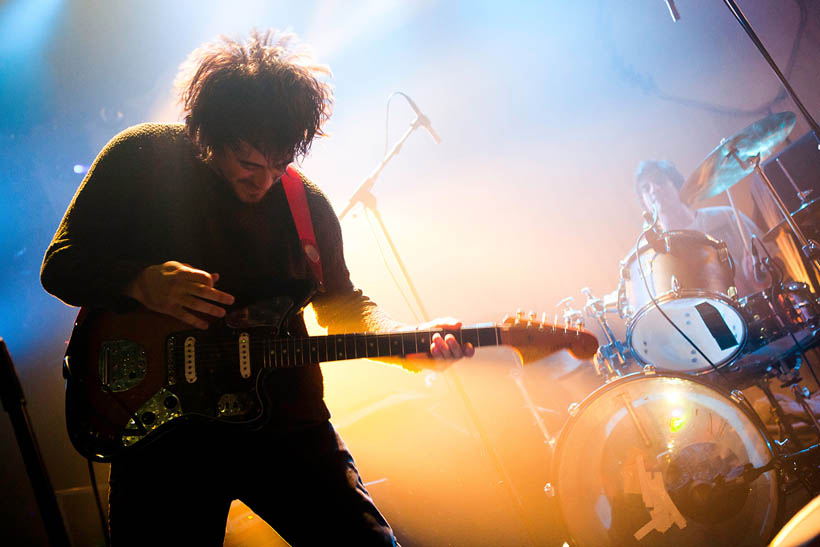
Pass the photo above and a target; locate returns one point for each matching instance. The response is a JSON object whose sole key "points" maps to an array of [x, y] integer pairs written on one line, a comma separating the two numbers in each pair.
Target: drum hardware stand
{"points": [[611, 354], [740, 229], [809, 247], [517, 377], [801, 194], [744, 22], [782, 421], [802, 395]]}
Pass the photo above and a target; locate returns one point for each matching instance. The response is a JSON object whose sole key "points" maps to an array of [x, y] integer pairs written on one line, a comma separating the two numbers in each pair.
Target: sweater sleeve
{"points": [[87, 262], [342, 307]]}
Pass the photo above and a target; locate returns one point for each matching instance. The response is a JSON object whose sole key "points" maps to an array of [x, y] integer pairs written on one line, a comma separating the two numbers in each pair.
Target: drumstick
{"points": [[739, 223]]}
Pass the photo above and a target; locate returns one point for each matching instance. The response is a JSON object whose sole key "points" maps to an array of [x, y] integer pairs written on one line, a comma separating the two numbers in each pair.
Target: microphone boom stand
{"points": [[364, 195]]}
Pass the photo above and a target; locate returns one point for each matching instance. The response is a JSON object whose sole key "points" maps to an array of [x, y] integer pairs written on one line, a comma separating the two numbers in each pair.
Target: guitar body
{"points": [[132, 376]]}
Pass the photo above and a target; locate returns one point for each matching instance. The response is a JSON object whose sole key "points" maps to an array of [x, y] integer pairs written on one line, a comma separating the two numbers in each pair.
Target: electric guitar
{"points": [[132, 376]]}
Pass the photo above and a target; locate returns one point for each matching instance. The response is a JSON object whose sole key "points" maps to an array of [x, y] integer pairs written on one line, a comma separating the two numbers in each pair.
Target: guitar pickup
{"points": [[244, 346], [189, 353]]}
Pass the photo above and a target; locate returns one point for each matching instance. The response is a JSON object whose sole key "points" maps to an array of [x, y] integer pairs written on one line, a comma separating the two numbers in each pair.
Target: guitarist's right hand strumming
{"points": [[178, 290]]}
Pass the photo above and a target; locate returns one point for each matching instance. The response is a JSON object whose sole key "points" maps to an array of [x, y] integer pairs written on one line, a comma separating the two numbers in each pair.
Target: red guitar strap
{"points": [[297, 200]]}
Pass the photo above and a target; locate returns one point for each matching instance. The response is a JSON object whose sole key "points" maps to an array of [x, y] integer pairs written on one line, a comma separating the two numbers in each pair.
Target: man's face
{"points": [[249, 173], [658, 194]]}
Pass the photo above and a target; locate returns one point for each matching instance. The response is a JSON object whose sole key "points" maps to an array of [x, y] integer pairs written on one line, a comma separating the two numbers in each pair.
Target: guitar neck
{"points": [[293, 352]]}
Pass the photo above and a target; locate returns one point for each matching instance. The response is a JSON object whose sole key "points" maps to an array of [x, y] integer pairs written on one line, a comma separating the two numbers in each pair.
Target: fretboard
{"points": [[294, 352]]}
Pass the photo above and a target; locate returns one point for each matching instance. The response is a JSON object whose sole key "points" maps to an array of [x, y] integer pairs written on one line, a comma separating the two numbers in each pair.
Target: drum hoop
{"points": [[560, 440], [687, 293], [684, 234]]}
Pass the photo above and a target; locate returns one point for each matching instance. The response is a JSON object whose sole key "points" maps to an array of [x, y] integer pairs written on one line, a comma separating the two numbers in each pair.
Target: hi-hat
{"points": [[721, 169]]}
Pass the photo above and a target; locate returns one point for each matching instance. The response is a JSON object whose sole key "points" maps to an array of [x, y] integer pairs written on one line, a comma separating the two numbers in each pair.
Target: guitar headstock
{"points": [[534, 340]]}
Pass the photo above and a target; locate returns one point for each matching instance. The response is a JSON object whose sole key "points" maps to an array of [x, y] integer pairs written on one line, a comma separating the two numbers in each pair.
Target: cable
{"points": [[98, 501], [655, 302], [387, 266]]}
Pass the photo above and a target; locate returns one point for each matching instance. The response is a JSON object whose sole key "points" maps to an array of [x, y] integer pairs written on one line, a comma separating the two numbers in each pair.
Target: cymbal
{"points": [[720, 170], [807, 217]]}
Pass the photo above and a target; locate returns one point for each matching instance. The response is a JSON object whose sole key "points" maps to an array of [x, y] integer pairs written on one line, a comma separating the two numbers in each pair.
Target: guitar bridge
{"points": [[122, 365]]}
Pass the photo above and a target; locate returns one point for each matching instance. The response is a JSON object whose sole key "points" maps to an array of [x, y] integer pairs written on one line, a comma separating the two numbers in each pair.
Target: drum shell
{"points": [[688, 260], [562, 457], [777, 322]]}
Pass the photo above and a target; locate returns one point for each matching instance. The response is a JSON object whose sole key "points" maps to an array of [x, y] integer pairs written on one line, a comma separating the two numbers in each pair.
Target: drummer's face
{"points": [[658, 193]]}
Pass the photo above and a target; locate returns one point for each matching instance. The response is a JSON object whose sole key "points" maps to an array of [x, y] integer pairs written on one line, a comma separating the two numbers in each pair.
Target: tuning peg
{"points": [[543, 319], [530, 318], [518, 315]]}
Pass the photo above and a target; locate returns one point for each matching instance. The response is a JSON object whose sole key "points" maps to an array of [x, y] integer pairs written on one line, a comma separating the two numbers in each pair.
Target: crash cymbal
{"points": [[807, 217], [720, 170]]}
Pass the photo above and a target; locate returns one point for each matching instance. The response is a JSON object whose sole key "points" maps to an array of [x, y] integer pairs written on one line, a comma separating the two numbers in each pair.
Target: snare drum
{"points": [[691, 277], [642, 459]]}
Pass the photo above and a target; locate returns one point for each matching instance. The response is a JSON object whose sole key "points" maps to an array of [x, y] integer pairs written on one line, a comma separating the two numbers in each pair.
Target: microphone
{"points": [[654, 235], [423, 120]]}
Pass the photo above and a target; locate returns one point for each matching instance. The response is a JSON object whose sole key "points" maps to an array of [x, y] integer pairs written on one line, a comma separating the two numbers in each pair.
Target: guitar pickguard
{"points": [[163, 407]]}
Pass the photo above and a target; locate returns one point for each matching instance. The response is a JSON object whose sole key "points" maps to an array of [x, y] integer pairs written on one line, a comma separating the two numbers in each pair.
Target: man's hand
{"points": [[444, 349], [177, 289]]}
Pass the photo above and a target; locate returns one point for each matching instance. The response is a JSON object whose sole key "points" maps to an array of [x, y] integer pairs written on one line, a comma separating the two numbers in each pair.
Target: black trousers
{"points": [[178, 489]]}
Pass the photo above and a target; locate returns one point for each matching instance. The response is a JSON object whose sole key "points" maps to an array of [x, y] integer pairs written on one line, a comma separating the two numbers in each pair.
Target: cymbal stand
{"points": [[810, 247]]}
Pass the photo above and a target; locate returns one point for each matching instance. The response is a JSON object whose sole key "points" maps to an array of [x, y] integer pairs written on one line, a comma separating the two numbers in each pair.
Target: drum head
{"points": [[641, 460], [715, 326]]}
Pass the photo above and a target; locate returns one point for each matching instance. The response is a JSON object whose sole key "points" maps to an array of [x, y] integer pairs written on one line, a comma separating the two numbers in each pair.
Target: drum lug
{"points": [[549, 490], [573, 409], [731, 292], [738, 396], [675, 284], [649, 370]]}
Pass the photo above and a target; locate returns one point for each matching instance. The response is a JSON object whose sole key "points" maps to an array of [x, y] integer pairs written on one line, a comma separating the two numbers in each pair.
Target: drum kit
{"points": [[669, 450]]}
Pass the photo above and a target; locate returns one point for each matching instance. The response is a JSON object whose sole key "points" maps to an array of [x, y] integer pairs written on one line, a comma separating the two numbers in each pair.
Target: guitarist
{"points": [[191, 220]]}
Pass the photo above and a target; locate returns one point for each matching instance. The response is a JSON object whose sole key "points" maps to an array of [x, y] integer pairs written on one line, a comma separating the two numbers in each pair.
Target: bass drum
{"points": [[642, 461]]}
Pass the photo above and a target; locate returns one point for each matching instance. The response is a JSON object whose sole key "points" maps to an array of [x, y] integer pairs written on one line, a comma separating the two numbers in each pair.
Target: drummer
{"points": [[658, 184]]}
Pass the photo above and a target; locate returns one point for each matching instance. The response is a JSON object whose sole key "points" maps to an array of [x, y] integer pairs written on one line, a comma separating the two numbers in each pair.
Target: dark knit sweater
{"points": [[149, 198]]}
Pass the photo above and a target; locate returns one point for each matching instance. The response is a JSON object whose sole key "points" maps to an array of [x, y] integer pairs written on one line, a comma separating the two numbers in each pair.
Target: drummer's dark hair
{"points": [[264, 91], [656, 170]]}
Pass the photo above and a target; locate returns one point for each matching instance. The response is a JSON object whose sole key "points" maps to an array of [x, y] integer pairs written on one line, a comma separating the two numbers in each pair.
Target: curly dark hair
{"points": [[262, 92]]}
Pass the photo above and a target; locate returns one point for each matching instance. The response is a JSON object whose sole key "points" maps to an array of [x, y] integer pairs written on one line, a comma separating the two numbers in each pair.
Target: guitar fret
{"points": [[350, 346], [409, 344], [396, 345], [360, 343], [339, 347], [470, 336], [382, 345], [423, 338], [487, 336]]}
